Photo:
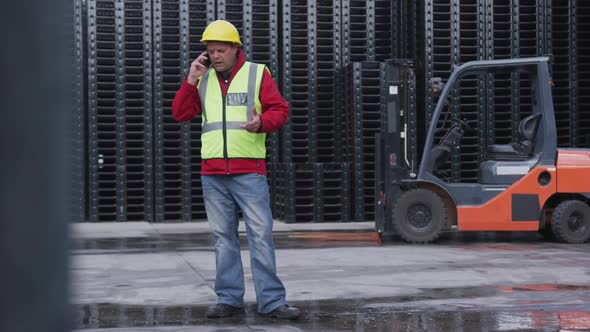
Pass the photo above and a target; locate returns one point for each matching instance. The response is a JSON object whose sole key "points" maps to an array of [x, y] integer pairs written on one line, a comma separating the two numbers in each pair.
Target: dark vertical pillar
{"points": [[36, 106]]}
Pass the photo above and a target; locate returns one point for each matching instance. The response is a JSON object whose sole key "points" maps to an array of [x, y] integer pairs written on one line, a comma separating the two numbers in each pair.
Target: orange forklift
{"points": [[526, 185]]}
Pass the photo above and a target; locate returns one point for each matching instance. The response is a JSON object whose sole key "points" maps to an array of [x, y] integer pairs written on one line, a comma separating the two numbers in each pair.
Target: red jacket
{"points": [[187, 105]]}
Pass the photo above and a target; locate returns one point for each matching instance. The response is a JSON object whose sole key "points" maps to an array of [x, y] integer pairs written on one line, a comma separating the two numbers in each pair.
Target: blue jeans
{"points": [[223, 195]]}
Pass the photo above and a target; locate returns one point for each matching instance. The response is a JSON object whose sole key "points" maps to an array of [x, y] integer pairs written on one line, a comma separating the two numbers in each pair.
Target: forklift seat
{"points": [[523, 148]]}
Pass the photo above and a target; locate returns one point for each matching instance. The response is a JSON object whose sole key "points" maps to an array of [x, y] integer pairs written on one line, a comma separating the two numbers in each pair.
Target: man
{"points": [[239, 103]]}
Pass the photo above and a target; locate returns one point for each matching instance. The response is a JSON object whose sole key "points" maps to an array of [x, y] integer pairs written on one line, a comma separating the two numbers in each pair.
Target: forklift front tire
{"points": [[419, 216], [571, 222]]}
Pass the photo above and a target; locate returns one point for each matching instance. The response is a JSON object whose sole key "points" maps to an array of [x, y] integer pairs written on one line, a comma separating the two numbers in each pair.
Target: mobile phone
{"points": [[207, 62]]}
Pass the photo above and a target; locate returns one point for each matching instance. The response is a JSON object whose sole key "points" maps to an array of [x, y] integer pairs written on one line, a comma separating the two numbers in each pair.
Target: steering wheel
{"points": [[466, 126]]}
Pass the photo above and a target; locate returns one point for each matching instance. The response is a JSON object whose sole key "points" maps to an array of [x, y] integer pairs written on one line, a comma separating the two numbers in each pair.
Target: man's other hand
{"points": [[254, 123]]}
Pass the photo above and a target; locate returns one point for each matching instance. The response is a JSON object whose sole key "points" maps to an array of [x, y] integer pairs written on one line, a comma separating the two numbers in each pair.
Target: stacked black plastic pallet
{"points": [[261, 45], [475, 36], [120, 110], [383, 30], [325, 65], [367, 37], [437, 52], [301, 55], [571, 33], [103, 161], [178, 26], [514, 35], [295, 192], [367, 30], [139, 110], [200, 14], [454, 33], [571, 65], [173, 144], [78, 119], [309, 186], [506, 46], [257, 24], [564, 53], [406, 18], [358, 31], [279, 192], [582, 9], [312, 192], [521, 29], [331, 178], [555, 28]]}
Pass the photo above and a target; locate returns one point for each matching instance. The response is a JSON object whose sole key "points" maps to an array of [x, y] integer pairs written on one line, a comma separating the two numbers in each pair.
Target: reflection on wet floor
{"points": [[314, 239], [202, 241], [547, 288], [350, 315]]}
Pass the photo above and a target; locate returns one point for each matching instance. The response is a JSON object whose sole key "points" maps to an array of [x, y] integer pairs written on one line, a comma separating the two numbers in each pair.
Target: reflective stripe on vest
{"points": [[221, 135]]}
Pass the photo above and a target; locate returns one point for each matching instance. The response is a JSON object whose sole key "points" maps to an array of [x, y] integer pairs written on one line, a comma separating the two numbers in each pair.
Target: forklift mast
{"points": [[396, 143]]}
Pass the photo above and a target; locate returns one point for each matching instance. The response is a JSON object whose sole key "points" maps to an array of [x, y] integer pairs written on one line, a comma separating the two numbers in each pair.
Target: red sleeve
{"points": [[275, 109], [186, 104]]}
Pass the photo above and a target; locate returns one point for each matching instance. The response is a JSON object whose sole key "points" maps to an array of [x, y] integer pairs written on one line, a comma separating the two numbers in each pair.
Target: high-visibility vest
{"points": [[221, 135]]}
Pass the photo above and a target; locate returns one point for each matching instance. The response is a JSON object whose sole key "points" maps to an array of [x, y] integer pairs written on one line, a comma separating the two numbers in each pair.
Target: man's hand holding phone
{"points": [[198, 68]]}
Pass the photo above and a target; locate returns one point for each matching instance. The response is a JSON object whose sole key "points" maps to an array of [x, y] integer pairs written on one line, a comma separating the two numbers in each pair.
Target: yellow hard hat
{"points": [[221, 30]]}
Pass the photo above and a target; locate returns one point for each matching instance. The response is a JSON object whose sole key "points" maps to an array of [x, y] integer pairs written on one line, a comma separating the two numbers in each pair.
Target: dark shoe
{"points": [[285, 312], [221, 310]]}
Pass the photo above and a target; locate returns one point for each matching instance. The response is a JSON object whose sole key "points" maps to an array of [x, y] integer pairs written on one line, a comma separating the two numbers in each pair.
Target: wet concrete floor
{"points": [[387, 314], [550, 306], [136, 319]]}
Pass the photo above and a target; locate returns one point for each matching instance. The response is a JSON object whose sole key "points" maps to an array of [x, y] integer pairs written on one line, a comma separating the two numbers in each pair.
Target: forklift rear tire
{"points": [[571, 222], [419, 216]]}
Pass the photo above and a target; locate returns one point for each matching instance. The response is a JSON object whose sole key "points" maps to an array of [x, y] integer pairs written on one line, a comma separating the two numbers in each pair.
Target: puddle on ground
{"points": [[387, 314]]}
